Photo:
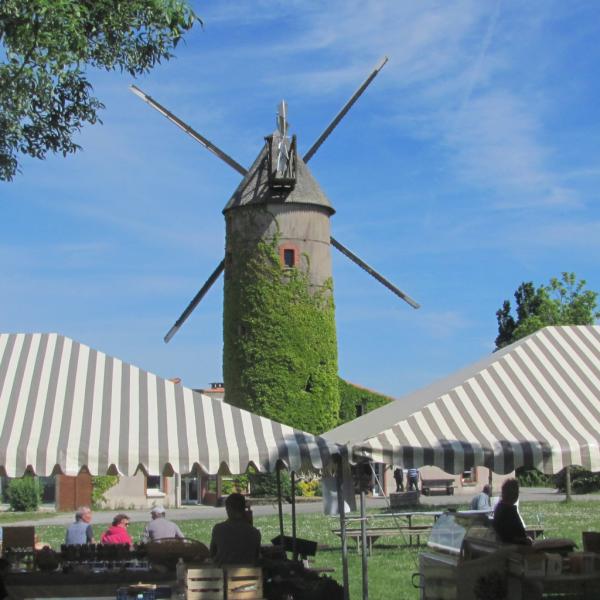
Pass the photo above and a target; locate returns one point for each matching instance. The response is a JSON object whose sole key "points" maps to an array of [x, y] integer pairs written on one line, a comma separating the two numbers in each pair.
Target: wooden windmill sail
{"points": [[279, 327]]}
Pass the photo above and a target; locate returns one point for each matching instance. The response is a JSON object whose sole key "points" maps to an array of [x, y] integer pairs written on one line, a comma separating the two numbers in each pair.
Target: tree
{"points": [[46, 49], [563, 302]]}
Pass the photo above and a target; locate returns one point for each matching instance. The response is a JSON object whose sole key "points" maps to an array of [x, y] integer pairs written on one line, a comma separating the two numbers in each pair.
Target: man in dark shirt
{"points": [[399, 477], [507, 522], [235, 541]]}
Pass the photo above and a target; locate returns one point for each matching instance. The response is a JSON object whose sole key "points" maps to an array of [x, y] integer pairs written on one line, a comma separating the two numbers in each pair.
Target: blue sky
{"points": [[470, 165]]}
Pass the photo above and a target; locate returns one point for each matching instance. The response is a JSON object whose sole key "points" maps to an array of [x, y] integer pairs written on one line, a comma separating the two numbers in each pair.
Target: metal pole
{"points": [[294, 551], [279, 503], [177, 482], [341, 510], [191, 132], [371, 271], [344, 110], [363, 538], [195, 301], [568, 483]]}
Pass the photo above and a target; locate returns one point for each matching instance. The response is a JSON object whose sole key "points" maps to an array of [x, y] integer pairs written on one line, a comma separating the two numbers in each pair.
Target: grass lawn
{"points": [[392, 564], [13, 517]]}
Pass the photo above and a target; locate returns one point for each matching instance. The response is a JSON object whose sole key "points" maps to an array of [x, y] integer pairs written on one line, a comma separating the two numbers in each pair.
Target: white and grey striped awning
{"points": [[64, 406], [535, 403]]}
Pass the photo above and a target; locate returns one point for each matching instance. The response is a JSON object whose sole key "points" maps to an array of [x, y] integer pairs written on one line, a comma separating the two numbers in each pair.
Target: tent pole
{"points": [[363, 539], [342, 513], [294, 549], [279, 503], [177, 481], [568, 497]]}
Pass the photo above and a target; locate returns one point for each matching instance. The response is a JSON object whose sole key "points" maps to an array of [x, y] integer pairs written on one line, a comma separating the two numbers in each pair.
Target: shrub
{"points": [[582, 481], [24, 494], [265, 484], [533, 478], [100, 485], [239, 484], [310, 489]]}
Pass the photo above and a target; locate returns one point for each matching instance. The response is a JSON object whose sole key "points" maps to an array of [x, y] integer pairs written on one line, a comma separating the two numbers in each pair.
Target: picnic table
{"points": [[410, 529]]}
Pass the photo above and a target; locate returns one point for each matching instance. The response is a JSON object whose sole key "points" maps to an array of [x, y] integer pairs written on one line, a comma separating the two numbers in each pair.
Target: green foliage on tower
{"points": [[280, 347], [355, 399]]}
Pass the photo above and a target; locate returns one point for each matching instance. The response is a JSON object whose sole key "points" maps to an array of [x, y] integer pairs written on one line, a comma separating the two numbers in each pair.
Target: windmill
{"points": [[280, 348]]}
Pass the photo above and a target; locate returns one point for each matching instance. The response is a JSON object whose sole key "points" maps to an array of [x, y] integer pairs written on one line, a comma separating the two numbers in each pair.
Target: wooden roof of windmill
{"points": [[255, 187]]}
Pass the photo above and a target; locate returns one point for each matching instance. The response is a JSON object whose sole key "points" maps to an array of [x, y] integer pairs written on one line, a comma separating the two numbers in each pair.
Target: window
{"points": [[289, 257], [469, 477], [153, 482]]}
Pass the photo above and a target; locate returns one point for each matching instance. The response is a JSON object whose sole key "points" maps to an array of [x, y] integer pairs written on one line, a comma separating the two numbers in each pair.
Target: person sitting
{"points": [[482, 500], [235, 541], [507, 522], [117, 533], [160, 527], [81, 531]]}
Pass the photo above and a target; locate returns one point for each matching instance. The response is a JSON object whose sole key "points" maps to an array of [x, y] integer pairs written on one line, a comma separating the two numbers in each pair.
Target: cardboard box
{"points": [[554, 564], [582, 562]]}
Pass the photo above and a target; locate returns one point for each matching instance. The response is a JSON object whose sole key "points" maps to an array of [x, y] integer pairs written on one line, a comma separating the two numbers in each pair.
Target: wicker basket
{"points": [[168, 551]]}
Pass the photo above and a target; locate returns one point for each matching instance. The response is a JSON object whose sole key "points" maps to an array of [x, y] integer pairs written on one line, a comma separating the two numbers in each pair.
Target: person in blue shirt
{"points": [[81, 531], [482, 500], [412, 476]]}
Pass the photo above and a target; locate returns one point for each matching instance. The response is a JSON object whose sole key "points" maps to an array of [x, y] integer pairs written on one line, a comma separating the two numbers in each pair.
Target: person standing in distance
{"points": [[412, 475], [81, 531], [160, 527], [399, 477]]}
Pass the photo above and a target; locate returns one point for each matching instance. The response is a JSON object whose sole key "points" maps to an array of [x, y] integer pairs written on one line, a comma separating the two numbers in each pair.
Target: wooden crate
{"points": [[244, 583], [204, 583]]}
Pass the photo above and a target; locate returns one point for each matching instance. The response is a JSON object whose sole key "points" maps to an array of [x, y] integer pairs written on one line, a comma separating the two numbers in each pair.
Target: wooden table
{"points": [[411, 529], [77, 585]]}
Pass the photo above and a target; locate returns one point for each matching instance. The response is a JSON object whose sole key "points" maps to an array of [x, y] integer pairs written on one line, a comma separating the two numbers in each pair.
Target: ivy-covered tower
{"points": [[280, 349]]}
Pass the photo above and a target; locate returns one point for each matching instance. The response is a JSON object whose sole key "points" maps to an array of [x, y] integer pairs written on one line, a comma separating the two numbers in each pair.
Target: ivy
{"points": [[352, 396], [280, 346], [100, 485]]}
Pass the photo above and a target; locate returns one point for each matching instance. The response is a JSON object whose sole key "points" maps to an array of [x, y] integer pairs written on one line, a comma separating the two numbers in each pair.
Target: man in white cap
{"points": [[160, 527]]}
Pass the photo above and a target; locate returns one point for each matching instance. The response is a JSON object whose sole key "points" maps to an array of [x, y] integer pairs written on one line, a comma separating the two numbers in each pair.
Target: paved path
{"points": [[208, 512]]}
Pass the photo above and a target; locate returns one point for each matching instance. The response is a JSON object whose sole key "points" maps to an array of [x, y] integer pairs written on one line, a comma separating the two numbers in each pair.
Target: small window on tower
{"points": [[289, 257]]}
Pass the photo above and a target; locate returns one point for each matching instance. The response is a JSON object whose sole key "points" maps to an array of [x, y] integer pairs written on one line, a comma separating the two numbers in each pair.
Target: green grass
{"points": [[392, 564], [7, 517]]}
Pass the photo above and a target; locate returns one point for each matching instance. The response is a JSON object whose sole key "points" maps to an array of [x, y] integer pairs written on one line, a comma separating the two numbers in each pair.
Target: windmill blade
{"points": [[195, 301], [357, 94], [189, 130], [363, 265]]}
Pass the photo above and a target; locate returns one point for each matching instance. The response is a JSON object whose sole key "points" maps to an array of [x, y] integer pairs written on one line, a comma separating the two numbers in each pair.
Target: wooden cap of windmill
{"points": [[279, 175]]}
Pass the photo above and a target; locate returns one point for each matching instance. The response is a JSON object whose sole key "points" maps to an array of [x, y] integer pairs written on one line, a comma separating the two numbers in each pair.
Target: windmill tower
{"points": [[279, 338]]}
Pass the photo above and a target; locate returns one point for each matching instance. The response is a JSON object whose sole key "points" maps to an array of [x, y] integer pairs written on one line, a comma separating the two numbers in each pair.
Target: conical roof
{"points": [[255, 188]]}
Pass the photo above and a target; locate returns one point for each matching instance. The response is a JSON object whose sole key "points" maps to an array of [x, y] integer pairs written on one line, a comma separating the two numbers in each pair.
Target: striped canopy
{"points": [[65, 406], [535, 403]]}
